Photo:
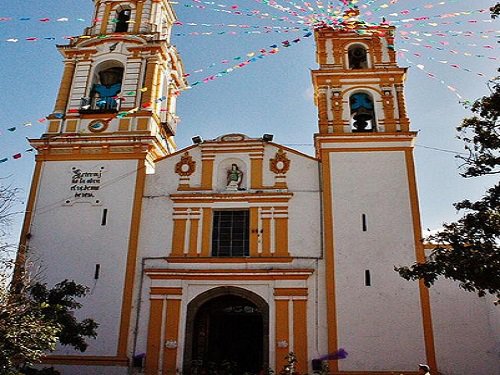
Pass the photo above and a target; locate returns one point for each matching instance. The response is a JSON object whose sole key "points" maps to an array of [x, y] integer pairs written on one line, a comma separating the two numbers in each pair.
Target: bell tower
{"points": [[358, 86], [121, 80], [371, 218], [114, 116]]}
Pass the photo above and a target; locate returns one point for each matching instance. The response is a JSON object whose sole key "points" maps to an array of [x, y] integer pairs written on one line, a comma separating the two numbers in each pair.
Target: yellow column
{"points": [[133, 243], [154, 335], [322, 110], [171, 337], [300, 334], [206, 233], [65, 87], [138, 16], [207, 169], [281, 238], [105, 19], [256, 170], [282, 333], [151, 73], [178, 237]]}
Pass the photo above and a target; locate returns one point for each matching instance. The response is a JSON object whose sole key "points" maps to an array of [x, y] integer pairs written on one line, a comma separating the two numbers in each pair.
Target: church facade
{"points": [[236, 251]]}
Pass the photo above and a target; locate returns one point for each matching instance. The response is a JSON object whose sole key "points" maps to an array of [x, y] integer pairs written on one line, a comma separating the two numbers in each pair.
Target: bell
{"points": [[357, 58], [361, 118]]}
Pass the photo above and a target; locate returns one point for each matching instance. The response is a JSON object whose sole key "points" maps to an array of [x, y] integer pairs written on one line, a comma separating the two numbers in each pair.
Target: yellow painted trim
{"points": [[209, 259], [23, 241], [290, 291], [207, 170], [138, 17], [169, 291], [331, 306], [229, 274], [254, 234], [83, 360], [206, 232], [368, 149], [65, 86], [300, 334], [105, 19], [281, 236], [282, 333], [193, 237], [71, 126], [142, 124], [151, 72], [256, 173], [128, 286], [178, 237], [274, 197], [124, 125], [430, 349], [100, 156], [54, 126], [171, 334], [154, 336]]}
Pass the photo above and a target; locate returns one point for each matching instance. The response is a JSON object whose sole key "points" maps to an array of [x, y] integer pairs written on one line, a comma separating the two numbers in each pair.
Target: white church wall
{"points": [[304, 219], [68, 239], [380, 326], [464, 331]]}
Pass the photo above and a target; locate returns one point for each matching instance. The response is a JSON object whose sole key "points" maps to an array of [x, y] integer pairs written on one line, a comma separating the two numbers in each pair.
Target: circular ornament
{"points": [[98, 126]]}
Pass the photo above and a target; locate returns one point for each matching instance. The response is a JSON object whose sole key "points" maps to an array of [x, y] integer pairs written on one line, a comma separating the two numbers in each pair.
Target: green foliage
{"points": [[57, 305], [33, 321], [481, 135]]}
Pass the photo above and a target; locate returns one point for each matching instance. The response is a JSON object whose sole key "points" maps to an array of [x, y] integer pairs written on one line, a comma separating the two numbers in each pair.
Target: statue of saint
{"points": [[234, 178]]}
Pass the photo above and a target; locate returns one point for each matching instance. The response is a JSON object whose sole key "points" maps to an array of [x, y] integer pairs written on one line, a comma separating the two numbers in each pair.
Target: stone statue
{"points": [[234, 178]]}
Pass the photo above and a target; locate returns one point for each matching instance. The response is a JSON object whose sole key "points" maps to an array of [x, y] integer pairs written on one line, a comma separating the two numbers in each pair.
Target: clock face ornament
{"points": [[97, 126]]}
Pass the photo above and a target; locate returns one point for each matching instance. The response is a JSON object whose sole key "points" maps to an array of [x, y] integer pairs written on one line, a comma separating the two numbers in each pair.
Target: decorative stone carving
{"points": [[280, 164], [186, 166]]}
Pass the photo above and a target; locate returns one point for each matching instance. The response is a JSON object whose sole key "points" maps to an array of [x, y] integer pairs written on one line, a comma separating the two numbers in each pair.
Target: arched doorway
{"points": [[227, 331]]}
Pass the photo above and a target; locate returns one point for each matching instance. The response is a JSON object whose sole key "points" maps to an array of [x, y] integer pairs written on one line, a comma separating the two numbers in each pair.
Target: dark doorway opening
{"points": [[227, 334]]}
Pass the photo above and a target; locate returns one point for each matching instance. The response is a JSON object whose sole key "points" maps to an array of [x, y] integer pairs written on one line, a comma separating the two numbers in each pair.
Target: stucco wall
{"points": [[68, 240]]}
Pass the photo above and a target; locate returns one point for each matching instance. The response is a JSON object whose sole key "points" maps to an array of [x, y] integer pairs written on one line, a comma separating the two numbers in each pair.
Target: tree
{"points": [[468, 250], [33, 318]]}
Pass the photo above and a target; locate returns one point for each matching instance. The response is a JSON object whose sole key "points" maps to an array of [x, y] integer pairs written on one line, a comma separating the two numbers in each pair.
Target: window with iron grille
{"points": [[230, 234]]}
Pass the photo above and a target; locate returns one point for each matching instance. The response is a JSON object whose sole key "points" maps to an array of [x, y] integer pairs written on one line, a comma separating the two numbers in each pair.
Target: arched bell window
{"points": [[362, 112], [357, 56], [123, 21], [105, 89]]}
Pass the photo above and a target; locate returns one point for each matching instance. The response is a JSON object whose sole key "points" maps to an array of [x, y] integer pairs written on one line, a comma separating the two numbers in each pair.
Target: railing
{"points": [[99, 105]]}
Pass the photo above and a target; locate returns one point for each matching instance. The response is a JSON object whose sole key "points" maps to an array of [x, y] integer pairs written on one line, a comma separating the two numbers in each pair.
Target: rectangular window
{"points": [[230, 234]]}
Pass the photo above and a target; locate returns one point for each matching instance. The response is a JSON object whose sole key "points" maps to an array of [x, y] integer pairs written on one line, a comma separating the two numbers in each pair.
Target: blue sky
{"points": [[271, 95]]}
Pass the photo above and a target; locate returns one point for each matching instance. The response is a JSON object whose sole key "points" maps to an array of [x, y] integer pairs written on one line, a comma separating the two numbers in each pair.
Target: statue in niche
{"points": [[106, 91], [234, 178]]}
